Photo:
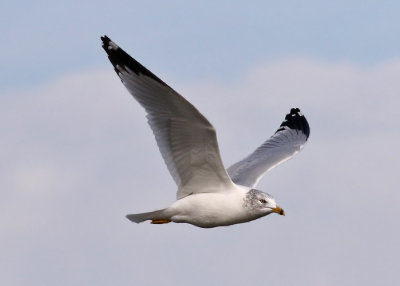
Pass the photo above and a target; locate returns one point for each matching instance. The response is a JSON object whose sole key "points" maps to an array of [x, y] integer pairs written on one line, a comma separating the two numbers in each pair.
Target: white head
{"points": [[261, 203]]}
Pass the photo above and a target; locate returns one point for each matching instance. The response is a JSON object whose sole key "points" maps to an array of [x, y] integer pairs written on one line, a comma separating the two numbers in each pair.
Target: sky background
{"points": [[76, 153]]}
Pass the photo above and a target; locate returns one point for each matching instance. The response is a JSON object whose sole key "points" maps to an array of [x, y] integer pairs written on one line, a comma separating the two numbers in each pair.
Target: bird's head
{"points": [[261, 203]]}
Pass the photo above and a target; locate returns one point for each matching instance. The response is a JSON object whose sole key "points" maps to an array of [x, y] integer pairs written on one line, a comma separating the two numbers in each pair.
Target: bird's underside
{"points": [[208, 194]]}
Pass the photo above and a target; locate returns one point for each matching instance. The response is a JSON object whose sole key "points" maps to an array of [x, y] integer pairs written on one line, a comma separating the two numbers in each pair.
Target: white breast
{"points": [[211, 209]]}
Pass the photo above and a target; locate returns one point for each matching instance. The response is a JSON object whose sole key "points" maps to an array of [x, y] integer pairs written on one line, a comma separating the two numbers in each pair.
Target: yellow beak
{"points": [[278, 210]]}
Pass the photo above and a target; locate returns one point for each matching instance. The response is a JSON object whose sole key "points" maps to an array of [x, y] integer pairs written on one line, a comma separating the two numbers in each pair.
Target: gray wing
{"points": [[287, 141], [187, 141]]}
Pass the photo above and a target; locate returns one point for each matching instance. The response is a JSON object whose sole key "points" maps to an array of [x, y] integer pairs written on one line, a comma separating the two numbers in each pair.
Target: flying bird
{"points": [[208, 194]]}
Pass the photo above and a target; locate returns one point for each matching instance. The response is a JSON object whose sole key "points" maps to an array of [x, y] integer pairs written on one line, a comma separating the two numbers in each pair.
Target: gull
{"points": [[208, 194]]}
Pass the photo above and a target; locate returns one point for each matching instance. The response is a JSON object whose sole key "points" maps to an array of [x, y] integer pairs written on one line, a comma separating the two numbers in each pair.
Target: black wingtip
{"points": [[105, 40], [121, 60], [107, 43], [295, 120]]}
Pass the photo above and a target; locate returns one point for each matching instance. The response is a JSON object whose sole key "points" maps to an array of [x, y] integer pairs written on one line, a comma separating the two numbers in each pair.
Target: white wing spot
{"points": [[119, 68], [112, 46]]}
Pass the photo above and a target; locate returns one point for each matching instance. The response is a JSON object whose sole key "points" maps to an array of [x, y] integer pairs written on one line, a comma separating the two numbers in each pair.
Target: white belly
{"points": [[211, 209]]}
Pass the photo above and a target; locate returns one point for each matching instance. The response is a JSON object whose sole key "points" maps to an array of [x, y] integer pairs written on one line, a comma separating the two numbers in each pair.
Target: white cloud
{"points": [[78, 155]]}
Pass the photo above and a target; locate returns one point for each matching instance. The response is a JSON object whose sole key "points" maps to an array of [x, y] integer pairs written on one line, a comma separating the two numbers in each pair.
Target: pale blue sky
{"points": [[46, 39], [76, 153]]}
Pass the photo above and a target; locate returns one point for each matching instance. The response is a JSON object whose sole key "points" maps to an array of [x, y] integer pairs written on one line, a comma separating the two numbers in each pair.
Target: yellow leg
{"points": [[160, 221]]}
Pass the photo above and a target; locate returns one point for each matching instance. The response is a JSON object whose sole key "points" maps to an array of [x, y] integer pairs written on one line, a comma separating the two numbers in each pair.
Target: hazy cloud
{"points": [[77, 155]]}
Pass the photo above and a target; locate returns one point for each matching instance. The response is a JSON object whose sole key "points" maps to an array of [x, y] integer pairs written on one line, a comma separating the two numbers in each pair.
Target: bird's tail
{"points": [[156, 217]]}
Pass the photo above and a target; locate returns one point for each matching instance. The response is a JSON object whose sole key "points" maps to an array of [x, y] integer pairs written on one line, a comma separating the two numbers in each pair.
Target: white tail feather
{"points": [[155, 215]]}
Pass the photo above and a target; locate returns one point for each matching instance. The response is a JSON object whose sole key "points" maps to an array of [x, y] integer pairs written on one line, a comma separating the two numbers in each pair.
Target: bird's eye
{"points": [[263, 201]]}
